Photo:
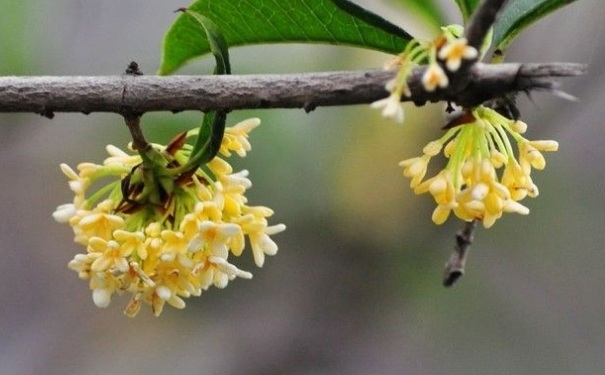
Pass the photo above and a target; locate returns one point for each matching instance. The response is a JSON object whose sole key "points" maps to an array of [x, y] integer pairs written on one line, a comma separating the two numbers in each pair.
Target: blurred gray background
{"points": [[356, 285]]}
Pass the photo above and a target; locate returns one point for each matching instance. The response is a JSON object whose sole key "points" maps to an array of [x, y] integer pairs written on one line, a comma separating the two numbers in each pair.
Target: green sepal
{"points": [[155, 176]]}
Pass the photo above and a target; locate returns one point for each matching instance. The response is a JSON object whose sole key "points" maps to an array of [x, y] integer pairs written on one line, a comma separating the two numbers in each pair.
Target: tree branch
{"points": [[139, 94], [454, 268], [482, 20]]}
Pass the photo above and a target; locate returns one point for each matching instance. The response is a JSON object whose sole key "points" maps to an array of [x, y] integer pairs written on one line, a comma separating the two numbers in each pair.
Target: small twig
{"points": [[478, 27], [139, 143], [481, 21], [454, 268], [132, 119]]}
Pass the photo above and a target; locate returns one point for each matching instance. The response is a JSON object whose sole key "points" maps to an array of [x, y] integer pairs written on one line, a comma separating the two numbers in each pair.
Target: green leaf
{"points": [[427, 9], [279, 21], [212, 129], [521, 14], [467, 7], [215, 40], [209, 138]]}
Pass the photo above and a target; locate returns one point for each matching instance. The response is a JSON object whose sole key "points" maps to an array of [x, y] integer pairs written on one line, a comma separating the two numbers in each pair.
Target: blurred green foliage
{"points": [[15, 53]]}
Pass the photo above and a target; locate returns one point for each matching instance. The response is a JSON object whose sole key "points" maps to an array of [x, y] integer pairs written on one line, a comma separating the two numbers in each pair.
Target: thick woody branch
{"points": [[139, 94]]}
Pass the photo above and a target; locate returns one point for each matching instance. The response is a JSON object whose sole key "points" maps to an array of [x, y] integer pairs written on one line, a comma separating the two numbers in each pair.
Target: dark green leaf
{"points": [[427, 9], [212, 129], [209, 138], [467, 7], [216, 42], [279, 21], [521, 14]]}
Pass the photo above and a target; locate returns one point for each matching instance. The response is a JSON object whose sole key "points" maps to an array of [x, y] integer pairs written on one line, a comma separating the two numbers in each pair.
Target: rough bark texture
{"points": [[139, 94]]}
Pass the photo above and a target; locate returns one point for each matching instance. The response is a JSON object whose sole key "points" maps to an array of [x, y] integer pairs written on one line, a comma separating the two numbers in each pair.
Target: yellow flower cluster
{"points": [[470, 185], [163, 253]]}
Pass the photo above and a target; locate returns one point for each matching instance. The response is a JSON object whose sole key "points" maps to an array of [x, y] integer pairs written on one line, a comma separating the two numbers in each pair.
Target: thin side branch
{"points": [[140, 94], [139, 142], [479, 25], [454, 268], [482, 20]]}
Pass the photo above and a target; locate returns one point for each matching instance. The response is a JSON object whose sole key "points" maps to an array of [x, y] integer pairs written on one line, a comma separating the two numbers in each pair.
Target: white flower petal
{"points": [[64, 212], [274, 229], [163, 292], [101, 297]]}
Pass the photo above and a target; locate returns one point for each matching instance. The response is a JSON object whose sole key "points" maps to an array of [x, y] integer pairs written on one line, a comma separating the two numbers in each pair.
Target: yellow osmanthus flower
{"points": [[447, 50], [470, 185], [164, 253], [414, 53], [434, 77], [455, 51]]}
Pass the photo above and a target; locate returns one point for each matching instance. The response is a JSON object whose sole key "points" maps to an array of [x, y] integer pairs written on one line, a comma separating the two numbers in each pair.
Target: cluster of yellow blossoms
{"points": [[469, 185], [163, 253], [477, 146]]}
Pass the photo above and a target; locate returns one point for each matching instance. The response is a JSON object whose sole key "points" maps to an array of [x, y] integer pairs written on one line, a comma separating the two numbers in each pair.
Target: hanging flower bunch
{"points": [[162, 233], [485, 176]]}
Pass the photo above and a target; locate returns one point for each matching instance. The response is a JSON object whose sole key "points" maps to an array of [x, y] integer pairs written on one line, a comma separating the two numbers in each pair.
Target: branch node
{"points": [[47, 113], [133, 69], [454, 268], [309, 107], [482, 20]]}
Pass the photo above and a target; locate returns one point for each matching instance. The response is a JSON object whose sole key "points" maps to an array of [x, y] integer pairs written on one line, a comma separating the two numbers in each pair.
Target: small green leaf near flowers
{"points": [[212, 128], [215, 39]]}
